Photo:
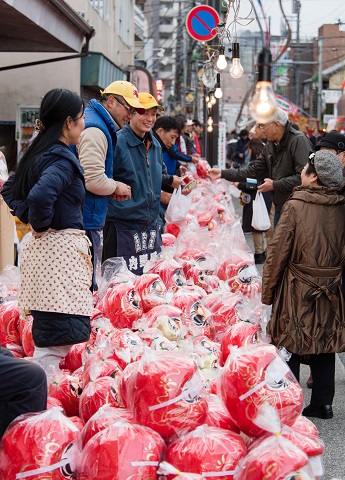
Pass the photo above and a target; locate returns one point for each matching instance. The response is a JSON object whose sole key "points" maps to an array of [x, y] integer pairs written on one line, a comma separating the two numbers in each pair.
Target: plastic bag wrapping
{"points": [[305, 426], [223, 308], [240, 334], [178, 207], [255, 374], [9, 283], [67, 389], [207, 451], [151, 289], [122, 305], [198, 318], [218, 416], [25, 330], [100, 326], [114, 270], [9, 323], [100, 365], [274, 456], [202, 168], [126, 346], [166, 393], [207, 353], [103, 418], [74, 358], [261, 218], [171, 273], [169, 320], [166, 468], [102, 391], [168, 239], [122, 451], [46, 445]]}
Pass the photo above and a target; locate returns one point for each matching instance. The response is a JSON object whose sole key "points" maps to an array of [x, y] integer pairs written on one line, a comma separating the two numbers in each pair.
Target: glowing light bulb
{"points": [[236, 69], [210, 128], [218, 93], [209, 105], [213, 100], [221, 62], [207, 98], [263, 104], [210, 121]]}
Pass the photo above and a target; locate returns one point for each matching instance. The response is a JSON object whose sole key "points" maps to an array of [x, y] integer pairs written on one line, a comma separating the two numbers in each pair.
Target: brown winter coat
{"points": [[303, 273]]}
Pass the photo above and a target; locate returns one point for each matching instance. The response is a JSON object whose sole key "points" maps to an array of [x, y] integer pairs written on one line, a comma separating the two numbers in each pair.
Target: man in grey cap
{"points": [[280, 163], [335, 143]]}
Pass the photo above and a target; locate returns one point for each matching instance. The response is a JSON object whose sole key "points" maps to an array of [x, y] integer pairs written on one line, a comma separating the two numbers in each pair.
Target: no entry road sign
{"points": [[201, 23]]}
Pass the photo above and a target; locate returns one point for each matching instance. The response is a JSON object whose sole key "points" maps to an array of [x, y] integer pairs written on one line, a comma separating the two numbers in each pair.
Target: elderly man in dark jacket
{"points": [[280, 164]]}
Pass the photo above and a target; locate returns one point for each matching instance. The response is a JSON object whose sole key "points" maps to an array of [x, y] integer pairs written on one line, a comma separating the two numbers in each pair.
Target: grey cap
{"points": [[328, 168]]}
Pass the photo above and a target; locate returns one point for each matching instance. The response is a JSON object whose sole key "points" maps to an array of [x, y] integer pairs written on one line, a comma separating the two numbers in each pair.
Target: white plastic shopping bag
{"points": [[260, 219], [178, 207]]}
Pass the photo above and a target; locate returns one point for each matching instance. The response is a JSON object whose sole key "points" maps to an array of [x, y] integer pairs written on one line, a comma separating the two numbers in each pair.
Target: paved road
{"points": [[332, 432]]}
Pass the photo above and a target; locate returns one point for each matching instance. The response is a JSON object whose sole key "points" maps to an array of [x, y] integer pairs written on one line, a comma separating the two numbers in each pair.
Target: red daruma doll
{"points": [[255, 374], [166, 393], [42, 445]]}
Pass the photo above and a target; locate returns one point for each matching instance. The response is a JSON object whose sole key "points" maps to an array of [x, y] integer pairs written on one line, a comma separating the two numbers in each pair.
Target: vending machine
{"points": [[25, 126]]}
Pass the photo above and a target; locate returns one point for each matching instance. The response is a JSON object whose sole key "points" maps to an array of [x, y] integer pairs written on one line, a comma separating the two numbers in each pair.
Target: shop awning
{"points": [[41, 26]]}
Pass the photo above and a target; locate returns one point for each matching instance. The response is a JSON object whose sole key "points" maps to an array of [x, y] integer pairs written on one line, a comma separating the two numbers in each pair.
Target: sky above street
{"points": [[313, 14]]}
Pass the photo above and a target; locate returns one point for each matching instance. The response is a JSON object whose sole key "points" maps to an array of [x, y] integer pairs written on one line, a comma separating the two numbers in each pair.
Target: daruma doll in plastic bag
{"points": [[40, 444], [169, 320], [151, 290], [122, 451], [67, 389], [103, 418], [253, 375], [166, 393], [217, 415], [102, 391], [239, 335], [274, 457], [207, 451], [9, 323], [122, 305]]}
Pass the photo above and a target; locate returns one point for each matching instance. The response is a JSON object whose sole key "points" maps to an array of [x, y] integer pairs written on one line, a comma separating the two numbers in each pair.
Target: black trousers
{"points": [[323, 372], [23, 388]]}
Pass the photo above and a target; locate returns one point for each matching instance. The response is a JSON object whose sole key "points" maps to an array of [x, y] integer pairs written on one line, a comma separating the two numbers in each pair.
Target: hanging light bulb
{"points": [[207, 98], [236, 69], [213, 101], [263, 103], [210, 128], [218, 92], [209, 105], [221, 62], [210, 121]]}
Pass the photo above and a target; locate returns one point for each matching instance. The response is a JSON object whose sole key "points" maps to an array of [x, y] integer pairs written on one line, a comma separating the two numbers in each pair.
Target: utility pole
{"points": [[213, 137], [319, 80], [178, 71], [297, 10]]}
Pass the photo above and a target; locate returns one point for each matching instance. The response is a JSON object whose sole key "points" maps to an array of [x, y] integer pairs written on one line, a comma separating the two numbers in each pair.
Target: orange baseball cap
{"points": [[148, 101]]}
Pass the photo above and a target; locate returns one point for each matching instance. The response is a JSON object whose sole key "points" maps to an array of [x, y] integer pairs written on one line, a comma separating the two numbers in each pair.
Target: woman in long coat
{"points": [[303, 277]]}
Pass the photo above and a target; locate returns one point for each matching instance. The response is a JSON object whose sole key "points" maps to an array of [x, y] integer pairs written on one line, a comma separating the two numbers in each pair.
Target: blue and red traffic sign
{"points": [[201, 23]]}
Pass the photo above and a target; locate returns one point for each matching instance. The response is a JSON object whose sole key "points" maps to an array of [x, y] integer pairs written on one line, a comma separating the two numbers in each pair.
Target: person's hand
{"points": [[214, 173], [267, 186], [165, 197], [122, 192], [177, 181], [195, 159], [183, 170]]}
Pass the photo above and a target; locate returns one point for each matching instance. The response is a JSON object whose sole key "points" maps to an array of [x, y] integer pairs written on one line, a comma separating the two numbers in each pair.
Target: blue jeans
{"points": [[95, 238]]}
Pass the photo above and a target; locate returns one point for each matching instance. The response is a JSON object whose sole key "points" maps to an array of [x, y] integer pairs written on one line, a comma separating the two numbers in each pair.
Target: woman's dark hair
{"points": [[256, 146], [167, 123], [56, 106], [311, 169]]}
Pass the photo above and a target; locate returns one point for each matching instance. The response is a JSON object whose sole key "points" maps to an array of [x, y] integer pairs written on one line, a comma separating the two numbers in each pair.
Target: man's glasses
{"points": [[264, 125], [129, 109]]}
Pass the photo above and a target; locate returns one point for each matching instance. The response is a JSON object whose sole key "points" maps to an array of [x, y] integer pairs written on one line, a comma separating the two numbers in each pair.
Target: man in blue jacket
{"points": [[131, 230], [96, 154]]}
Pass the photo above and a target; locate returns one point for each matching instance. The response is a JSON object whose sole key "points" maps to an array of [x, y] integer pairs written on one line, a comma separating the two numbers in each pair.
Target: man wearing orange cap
{"points": [[96, 154], [131, 230]]}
